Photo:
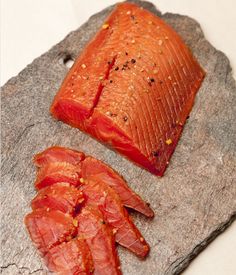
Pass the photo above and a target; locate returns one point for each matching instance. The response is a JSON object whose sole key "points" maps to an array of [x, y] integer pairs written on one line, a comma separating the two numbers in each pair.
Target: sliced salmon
{"points": [[70, 258], [97, 193], [55, 172], [91, 167], [58, 154], [88, 166], [79, 214], [100, 240], [59, 196], [132, 87], [48, 228]]}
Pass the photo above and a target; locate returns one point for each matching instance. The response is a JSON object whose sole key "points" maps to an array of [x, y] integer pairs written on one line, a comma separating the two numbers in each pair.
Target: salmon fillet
{"points": [[132, 87]]}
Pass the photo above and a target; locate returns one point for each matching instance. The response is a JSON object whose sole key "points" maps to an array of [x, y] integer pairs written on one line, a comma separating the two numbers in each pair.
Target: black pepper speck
{"points": [[155, 153]]}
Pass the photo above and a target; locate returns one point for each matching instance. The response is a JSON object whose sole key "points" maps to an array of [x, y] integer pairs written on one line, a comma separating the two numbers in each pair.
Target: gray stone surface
{"points": [[193, 202]]}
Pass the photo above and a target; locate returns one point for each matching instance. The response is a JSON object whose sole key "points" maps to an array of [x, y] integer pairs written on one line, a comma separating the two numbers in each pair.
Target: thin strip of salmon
{"points": [[70, 258], [132, 87], [100, 240], [98, 193], [91, 167], [48, 228], [58, 154], [59, 196], [55, 172]]}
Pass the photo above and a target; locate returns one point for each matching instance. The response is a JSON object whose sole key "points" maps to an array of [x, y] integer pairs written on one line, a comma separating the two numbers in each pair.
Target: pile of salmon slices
{"points": [[79, 213]]}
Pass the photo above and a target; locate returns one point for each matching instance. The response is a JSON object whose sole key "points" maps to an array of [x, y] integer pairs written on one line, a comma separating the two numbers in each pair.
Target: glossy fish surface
{"points": [[132, 87]]}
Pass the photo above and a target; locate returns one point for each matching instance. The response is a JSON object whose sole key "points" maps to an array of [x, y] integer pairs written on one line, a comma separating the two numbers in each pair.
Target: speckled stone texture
{"points": [[193, 202]]}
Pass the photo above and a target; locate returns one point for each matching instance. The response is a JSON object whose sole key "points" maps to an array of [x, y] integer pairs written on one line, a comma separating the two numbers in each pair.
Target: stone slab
{"points": [[193, 202]]}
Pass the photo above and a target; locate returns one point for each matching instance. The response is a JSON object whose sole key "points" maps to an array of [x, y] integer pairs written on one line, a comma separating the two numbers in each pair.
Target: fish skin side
{"points": [[132, 87]]}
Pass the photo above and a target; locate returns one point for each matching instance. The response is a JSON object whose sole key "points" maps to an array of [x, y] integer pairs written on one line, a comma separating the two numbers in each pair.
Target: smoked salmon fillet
{"points": [[132, 87], [79, 214]]}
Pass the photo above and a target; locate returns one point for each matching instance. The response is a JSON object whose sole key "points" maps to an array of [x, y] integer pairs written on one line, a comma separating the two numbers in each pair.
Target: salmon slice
{"points": [[59, 196], [49, 228], [55, 172], [91, 167], [98, 193], [100, 240], [132, 88], [58, 154], [70, 258]]}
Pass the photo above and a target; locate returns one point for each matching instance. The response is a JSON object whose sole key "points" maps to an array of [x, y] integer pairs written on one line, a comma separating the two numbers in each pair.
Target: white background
{"points": [[31, 27]]}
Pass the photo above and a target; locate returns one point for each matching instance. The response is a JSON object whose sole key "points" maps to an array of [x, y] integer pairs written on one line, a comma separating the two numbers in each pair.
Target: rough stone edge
{"points": [[178, 266], [182, 263]]}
